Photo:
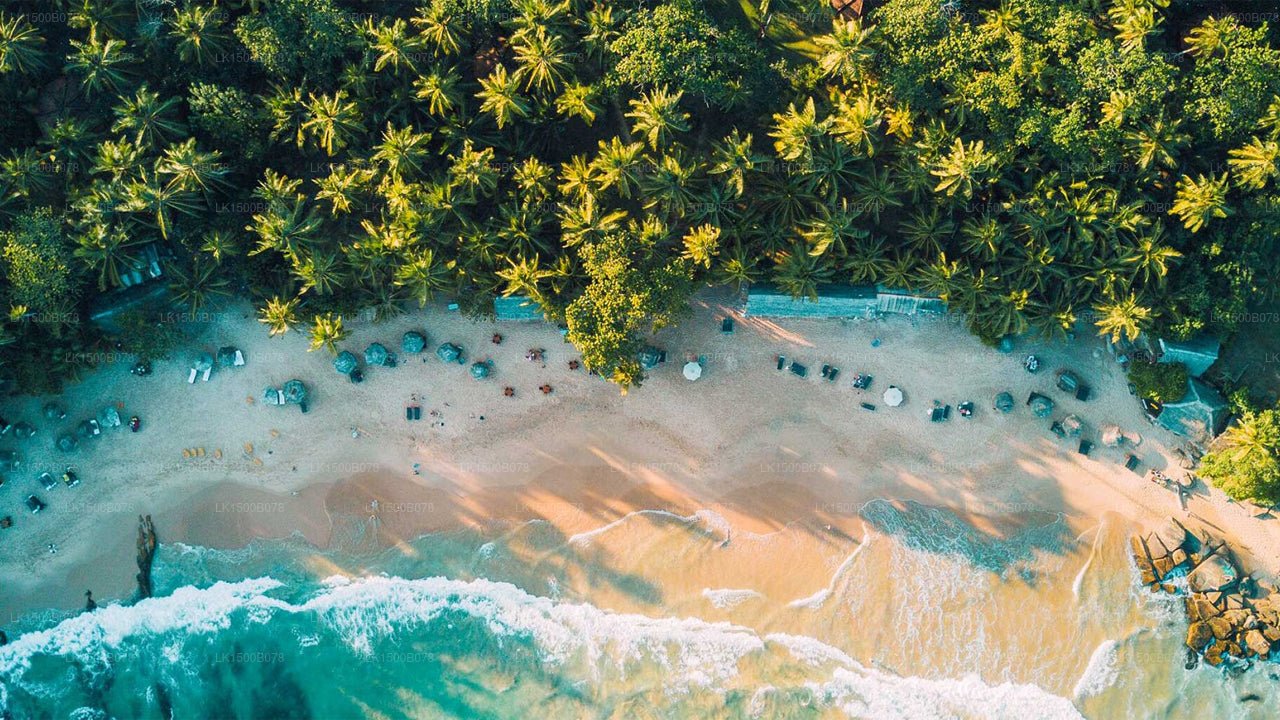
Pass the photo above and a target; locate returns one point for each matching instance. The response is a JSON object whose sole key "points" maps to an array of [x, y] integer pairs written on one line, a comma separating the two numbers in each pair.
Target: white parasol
{"points": [[893, 397], [692, 371]]}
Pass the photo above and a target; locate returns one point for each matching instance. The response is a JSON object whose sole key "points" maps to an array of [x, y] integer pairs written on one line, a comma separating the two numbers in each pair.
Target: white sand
{"points": [[763, 449]]}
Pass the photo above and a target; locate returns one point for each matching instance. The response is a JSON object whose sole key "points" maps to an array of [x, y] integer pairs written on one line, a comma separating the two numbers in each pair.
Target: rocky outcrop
{"points": [[1234, 620], [146, 547]]}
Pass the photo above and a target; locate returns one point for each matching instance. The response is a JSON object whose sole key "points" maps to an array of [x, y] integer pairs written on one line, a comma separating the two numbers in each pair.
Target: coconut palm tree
{"points": [[190, 168], [599, 30], [738, 266], [796, 131], [1122, 318], [617, 165], [669, 185], [21, 45], [394, 46], [701, 244], [439, 89], [867, 260], [500, 97], [586, 221], [162, 201], [847, 51], [326, 332], [106, 249], [578, 100], [541, 60], [800, 274], [1255, 164], [1199, 200], [1134, 20], [834, 229], [1150, 258], [289, 114], [856, 123], [658, 116], [402, 151], [1157, 143], [196, 285], [100, 63], [443, 27], [964, 170], [577, 178], [318, 271], [875, 191], [732, 158], [149, 119], [1212, 35], [286, 228], [279, 315], [523, 276], [421, 275], [927, 231], [333, 121], [473, 171], [198, 34], [985, 236], [25, 175]]}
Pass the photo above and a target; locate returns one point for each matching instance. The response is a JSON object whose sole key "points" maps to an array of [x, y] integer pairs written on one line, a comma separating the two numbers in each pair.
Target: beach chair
{"points": [[1057, 429], [726, 326], [192, 377], [832, 375], [782, 361], [868, 406], [826, 370], [207, 371], [1085, 448], [1132, 463], [966, 409], [799, 370]]}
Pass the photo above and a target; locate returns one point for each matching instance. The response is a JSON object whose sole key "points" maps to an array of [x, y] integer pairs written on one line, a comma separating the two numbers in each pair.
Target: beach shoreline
{"points": [[761, 449]]}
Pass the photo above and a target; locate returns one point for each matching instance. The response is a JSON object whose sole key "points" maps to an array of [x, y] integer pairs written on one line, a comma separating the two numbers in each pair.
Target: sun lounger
{"points": [[1133, 462], [826, 370], [868, 406], [782, 361], [192, 377], [726, 326], [799, 370], [1057, 429], [1082, 393], [832, 375], [862, 381], [207, 372], [940, 413]]}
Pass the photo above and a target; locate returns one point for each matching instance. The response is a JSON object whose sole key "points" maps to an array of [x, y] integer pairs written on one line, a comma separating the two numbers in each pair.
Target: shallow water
{"points": [[656, 616]]}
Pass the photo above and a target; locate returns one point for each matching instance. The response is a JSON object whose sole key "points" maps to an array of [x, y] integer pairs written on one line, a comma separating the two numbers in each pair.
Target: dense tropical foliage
{"points": [[1246, 464], [1036, 163]]}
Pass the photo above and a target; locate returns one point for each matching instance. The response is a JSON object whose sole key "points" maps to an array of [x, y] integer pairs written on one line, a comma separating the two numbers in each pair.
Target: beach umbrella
{"points": [[89, 428], [294, 391], [109, 417], [376, 354], [226, 356], [203, 361], [67, 443], [893, 396], [22, 430], [413, 342], [53, 411], [649, 357], [9, 460], [1041, 405], [692, 370], [345, 362], [449, 352], [480, 370], [1004, 402], [1073, 425], [271, 396]]}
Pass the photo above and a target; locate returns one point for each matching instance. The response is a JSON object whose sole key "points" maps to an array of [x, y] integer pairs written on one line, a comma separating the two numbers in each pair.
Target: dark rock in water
{"points": [[146, 547], [162, 700], [1193, 660], [1250, 698], [89, 604], [4, 639], [1220, 627]]}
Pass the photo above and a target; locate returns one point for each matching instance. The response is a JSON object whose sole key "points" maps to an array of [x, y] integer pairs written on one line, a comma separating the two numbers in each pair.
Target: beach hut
{"points": [[1198, 354], [109, 417], [1004, 402], [412, 342], [893, 396], [449, 352], [1198, 415], [481, 370], [67, 443], [346, 362], [376, 354], [294, 392], [229, 356], [1040, 405], [692, 370], [272, 396]]}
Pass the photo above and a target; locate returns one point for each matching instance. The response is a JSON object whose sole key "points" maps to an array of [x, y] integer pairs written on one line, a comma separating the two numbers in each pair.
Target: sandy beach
{"points": [[753, 449]]}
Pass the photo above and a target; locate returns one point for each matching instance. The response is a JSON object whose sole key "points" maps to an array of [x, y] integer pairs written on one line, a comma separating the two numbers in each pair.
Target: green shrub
{"points": [[1164, 382]]}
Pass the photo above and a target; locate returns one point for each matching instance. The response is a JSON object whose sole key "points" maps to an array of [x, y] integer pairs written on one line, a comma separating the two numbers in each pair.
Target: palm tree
{"points": [[1134, 20], [101, 63], [421, 275], [733, 158], [192, 169], [161, 200], [500, 97], [542, 63], [287, 229], [473, 171], [394, 46], [318, 271], [964, 169], [1122, 318], [443, 26], [1149, 258], [834, 228], [523, 276], [439, 88], [198, 32], [403, 151], [1200, 199], [875, 191], [600, 31], [701, 244], [326, 332], [738, 266], [106, 249], [985, 236], [658, 116], [856, 123], [577, 178], [24, 175], [847, 51], [1211, 36], [69, 140], [617, 165], [220, 245], [927, 231], [1157, 143], [333, 120], [149, 118], [578, 100], [796, 131], [279, 315], [586, 220], [668, 185], [868, 260], [1256, 163], [196, 286], [800, 273], [21, 46], [289, 114]]}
